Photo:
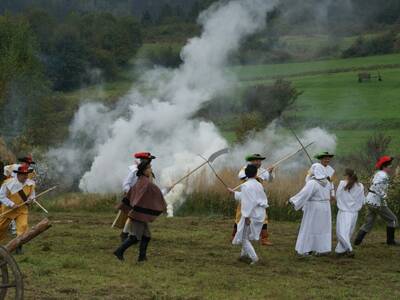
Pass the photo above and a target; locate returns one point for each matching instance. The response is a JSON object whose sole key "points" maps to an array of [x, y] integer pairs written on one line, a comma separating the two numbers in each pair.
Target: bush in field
{"points": [[248, 123], [364, 161], [381, 44], [270, 101]]}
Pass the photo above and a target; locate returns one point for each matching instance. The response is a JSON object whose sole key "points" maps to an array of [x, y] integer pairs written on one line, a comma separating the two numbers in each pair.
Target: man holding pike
{"points": [[15, 192], [8, 172], [263, 175]]}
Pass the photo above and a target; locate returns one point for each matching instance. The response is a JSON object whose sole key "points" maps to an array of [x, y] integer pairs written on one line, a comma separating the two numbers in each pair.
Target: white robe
{"points": [[131, 179], [349, 203], [253, 204], [316, 226]]}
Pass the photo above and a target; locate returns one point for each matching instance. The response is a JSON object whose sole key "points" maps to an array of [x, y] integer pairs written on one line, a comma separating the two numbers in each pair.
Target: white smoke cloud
{"points": [[158, 117], [159, 120]]}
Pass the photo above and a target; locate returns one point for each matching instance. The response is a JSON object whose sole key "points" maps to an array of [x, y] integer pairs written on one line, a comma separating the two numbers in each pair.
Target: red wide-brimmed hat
{"points": [[23, 169], [27, 159], [143, 155], [383, 160]]}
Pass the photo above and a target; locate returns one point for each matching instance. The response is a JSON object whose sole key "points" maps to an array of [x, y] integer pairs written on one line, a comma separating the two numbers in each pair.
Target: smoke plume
{"points": [[158, 116]]}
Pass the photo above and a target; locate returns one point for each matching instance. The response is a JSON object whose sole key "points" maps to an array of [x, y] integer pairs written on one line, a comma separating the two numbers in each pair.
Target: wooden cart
{"points": [[11, 277]]}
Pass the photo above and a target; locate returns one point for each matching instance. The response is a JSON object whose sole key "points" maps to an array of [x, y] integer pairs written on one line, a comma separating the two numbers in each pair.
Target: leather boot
{"points": [[264, 238], [359, 238], [143, 248], [124, 236], [18, 250], [390, 237], [234, 232], [119, 253]]}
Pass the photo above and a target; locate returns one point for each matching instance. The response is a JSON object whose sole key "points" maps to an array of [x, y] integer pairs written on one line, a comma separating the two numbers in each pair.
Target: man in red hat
{"points": [[377, 205], [9, 172], [122, 220], [145, 203], [13, 193]]}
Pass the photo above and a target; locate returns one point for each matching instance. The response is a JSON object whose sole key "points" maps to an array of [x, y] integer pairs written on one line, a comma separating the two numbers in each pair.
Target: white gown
{"points": [[253, 204], [349, 203], [316, 226]]}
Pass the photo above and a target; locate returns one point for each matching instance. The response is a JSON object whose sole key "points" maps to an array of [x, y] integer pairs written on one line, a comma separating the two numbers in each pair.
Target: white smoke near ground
{"points": [[157, 117]]}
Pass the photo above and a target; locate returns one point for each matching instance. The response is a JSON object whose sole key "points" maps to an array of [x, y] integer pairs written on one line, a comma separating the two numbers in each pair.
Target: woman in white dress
{"points": [[315, 235], [350, 197]]}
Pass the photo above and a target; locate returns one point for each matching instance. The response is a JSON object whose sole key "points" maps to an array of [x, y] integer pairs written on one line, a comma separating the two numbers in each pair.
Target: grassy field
{"points": [[259, 72], [191, 258], [336, 101]]}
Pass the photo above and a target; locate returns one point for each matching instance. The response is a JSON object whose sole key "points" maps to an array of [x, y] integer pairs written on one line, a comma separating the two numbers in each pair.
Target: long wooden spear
{"points": [[210, 160], [277, 163], [25, 203]]}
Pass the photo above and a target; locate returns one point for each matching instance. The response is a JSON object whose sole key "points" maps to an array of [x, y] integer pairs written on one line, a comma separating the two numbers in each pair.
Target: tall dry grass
{"points": [[208, 196]]}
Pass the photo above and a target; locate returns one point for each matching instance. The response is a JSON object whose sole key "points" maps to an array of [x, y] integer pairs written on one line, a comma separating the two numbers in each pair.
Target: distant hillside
{"points": [[119, 7]]}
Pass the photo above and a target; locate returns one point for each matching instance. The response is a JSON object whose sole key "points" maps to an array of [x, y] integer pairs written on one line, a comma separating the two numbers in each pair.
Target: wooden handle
{"points": [[278, 163], [187, 175], [25, 203]]}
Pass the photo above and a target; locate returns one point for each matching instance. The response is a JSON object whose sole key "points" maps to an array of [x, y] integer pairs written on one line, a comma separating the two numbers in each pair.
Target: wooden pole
{"points": [[29, 235], [25, 203], [187, 175]]}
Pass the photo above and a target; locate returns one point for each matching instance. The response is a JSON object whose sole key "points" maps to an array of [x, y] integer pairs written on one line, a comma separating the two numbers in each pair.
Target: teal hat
{"points": [[252, 157], [321, 155]]}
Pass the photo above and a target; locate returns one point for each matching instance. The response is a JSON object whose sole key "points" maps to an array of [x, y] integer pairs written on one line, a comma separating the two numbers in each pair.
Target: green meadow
{"points": [[192, 258], [334, 99]]}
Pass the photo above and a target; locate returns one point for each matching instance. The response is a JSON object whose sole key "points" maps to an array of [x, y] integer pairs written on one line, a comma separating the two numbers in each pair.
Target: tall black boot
{"points": [[360, 236], [123, 236], [18, 250], [390, 237], [119, 253], [143, 248]]}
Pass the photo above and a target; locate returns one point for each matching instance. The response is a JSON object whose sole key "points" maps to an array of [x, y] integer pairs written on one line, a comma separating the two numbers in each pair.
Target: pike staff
{"points": [[33, 200], [287, 157], [212, 157], [298, 139]]}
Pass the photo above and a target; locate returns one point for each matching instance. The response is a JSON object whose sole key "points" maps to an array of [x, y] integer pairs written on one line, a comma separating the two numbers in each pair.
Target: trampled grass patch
{"points": [[191, 258]]}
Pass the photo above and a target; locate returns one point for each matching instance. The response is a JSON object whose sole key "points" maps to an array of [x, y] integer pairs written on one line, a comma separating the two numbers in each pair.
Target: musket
{"points": [[285, 158], [33, 200]]}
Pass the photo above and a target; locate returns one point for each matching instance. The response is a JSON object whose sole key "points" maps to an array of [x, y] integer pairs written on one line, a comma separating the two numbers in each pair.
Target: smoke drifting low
{"points": [[102, 139]]}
